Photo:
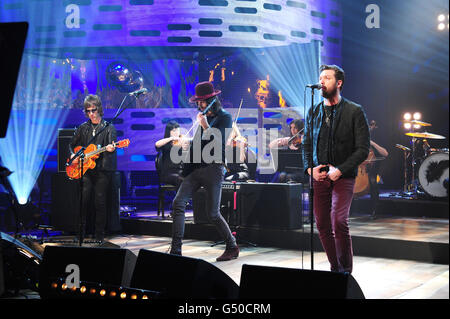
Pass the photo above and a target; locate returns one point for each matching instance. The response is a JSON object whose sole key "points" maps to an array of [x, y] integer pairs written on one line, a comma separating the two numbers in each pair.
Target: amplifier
{"points": [[199, 204], [263, 205], [64, 137]]}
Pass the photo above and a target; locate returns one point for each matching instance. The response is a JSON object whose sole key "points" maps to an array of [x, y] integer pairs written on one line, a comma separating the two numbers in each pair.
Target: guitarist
{"points": [[96, 181], [208, 174]]}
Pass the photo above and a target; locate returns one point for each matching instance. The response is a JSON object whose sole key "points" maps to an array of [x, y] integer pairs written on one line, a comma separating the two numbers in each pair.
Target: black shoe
{"points": [[100, 237], [175, 251]]}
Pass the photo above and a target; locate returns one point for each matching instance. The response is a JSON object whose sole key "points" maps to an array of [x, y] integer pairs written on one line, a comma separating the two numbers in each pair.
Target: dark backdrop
{"points": [[402, 66]]}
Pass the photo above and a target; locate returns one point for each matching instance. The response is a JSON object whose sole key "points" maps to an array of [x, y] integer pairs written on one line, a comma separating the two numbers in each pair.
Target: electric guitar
{"points": [[91, 153]]}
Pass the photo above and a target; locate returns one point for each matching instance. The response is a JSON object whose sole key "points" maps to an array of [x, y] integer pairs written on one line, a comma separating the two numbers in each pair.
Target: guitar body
{"points": [[74, 169], [362, 184], [91, 153]]}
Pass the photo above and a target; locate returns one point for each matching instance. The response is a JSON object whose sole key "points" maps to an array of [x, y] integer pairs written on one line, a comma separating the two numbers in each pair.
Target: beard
{"points": [[329, 94]]}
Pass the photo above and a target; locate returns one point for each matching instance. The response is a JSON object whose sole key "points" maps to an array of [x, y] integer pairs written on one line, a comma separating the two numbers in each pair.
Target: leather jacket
{"points": [[350, 137], [83, 134]]}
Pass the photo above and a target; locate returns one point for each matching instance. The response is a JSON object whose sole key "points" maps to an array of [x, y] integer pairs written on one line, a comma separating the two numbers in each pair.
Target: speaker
{"points": [[271, 205], [65, 213], [181, 277], [226, 207], [19, 265], [289, 283], [64, 137], [108, 266]]}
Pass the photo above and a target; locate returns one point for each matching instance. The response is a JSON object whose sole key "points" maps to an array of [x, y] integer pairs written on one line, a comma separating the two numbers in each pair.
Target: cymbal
{"points": [[426, 135], [418, 123]]}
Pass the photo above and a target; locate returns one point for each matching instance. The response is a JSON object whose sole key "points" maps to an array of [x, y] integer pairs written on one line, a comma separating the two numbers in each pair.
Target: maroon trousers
{"points": [[332, 202]]}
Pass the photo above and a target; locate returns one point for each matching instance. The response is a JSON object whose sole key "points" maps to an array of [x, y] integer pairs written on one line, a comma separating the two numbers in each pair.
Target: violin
{"points": [[238, 139], [179, 141], [296, 139]]}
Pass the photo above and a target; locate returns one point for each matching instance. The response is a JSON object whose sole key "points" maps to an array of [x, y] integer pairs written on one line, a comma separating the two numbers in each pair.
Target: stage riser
{"points": [[428, 252], [403, 208]]}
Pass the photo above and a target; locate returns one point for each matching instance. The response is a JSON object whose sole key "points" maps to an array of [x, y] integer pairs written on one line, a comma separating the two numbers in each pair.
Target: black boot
{"points": [[175, 247]]}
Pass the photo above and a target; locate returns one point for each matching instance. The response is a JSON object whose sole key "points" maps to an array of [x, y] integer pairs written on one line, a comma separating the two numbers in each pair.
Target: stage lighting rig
{"points": [[443, 22]]}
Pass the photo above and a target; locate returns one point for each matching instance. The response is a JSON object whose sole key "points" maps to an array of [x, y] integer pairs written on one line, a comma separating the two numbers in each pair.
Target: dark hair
{"points": [[298, 124], [339, 73], [93, 100], [169, 127]]}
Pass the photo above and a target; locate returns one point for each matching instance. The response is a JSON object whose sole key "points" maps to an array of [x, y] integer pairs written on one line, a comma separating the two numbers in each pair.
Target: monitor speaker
{"points": [[181, 277], [264, 282], [108, 266]]}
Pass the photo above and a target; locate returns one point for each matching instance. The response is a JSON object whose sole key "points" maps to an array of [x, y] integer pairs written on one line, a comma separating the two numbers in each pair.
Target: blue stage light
{"points": [[290, 68], [41, 91]]}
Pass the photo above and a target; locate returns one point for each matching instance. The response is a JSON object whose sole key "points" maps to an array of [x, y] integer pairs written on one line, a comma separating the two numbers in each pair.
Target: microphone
{"points": [[314, 86], [139, 92]]}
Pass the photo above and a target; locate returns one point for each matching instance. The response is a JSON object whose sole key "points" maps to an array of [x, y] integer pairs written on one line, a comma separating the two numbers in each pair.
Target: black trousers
{"points": [[95, 187]]}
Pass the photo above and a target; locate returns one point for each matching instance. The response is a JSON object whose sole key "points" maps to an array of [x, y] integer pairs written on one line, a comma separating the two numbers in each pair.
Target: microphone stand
{"points": [[311, 179], [80, 154]]}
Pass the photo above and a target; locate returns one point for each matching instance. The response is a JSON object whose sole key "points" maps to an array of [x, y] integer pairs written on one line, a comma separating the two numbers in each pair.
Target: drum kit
{"points": [[429, 166]]}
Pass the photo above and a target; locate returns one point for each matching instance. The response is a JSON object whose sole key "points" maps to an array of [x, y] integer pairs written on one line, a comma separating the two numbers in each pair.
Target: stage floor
{"points": [[379, 278]]}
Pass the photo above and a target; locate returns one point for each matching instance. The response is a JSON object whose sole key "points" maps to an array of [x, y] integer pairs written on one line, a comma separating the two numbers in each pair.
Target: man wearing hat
{"points": [[214, 127]]}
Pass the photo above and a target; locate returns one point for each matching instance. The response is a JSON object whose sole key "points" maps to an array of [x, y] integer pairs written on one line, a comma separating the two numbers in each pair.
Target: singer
{"points": [[340, 142], [207, 174]]}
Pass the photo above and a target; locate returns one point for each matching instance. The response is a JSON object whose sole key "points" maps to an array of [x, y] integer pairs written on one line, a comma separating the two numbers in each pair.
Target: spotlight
{"points": [[416, 126], [443, 21], [407, 116], [407, 126], [417, 115]]}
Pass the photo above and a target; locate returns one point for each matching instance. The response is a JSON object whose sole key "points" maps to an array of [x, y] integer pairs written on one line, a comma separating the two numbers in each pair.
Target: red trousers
{"points": [[332, 201]]}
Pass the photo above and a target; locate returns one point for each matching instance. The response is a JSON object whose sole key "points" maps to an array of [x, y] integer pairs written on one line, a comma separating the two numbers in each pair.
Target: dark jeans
{"points": [[332, 202], [96, 183], [210, 177]]}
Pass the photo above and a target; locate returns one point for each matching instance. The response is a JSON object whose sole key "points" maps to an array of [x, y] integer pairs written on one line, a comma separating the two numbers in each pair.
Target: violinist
{"points": [[377, 153], [236, 151], [212, 118], [291, 143], [169, 172]]}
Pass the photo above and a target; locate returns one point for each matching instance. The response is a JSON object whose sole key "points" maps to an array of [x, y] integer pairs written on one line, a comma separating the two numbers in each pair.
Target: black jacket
{"points": [[222, 121], [83, 134], [350, 137]]}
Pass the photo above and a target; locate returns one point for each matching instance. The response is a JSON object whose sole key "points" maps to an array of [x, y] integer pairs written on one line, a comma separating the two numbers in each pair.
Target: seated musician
{"points": [[169, 172], [373, 169], [293, 143], [237, 159]]}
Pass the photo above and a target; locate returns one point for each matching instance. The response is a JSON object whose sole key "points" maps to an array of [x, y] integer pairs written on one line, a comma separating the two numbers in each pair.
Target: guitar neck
{"points": [[97, 151]]}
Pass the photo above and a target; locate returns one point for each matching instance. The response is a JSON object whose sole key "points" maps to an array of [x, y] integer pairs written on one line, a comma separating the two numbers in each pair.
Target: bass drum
{"points": [[433, 174]]}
